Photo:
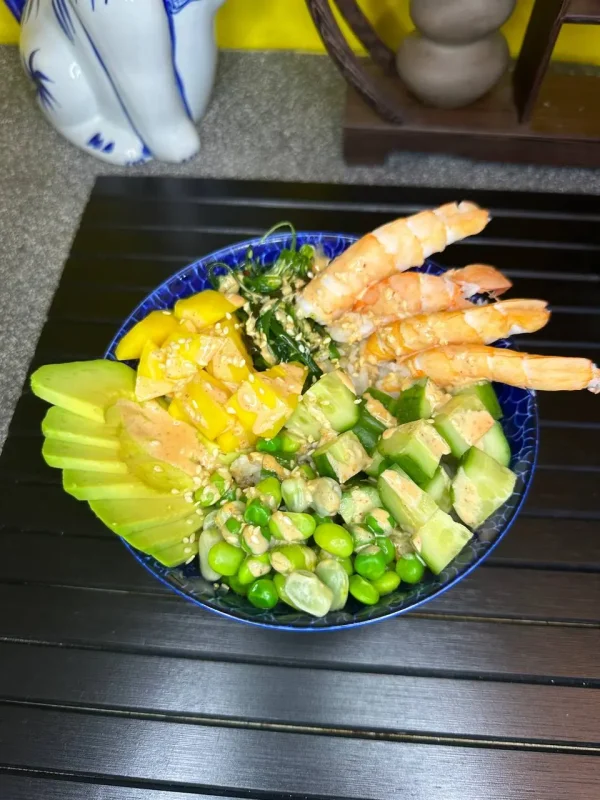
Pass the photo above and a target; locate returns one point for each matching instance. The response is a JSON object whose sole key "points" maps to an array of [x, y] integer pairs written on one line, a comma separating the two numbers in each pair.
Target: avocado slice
{"points": [[176, 554], [125, 517], [72, 455], [161, 537], [86, 388], [68, 427], [85, 485]]}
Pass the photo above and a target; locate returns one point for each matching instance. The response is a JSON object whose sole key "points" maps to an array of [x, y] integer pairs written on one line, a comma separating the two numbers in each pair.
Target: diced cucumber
{"points": [[416, 447], [486, 393], [357, 501], [334, 395], [480, 487], [386, 400], [410, 506], [342, 459], [377, 465], [439, 489], [368, 429], [462, 421], [496, 445], [305, 423], [440, 540], [420, 401]]}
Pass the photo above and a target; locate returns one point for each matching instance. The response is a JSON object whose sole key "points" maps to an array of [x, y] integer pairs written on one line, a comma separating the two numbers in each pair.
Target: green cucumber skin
{"points": [[413, 469], [368, 429], [386, 400], [380, 465], [336, 401], [487, 394], [324, 467], [412, 404], [496, 445], [478, 476]]}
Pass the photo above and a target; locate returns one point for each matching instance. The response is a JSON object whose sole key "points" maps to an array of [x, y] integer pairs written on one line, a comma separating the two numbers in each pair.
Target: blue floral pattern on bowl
{"points": [[520, 423]]}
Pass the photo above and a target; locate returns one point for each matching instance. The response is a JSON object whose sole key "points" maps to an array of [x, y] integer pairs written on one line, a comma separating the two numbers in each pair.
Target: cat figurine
{"points": [[123, 80]]}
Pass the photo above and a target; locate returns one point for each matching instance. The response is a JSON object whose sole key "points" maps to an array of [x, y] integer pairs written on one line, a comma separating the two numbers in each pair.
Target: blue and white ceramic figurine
{"points": [[122, 79]]}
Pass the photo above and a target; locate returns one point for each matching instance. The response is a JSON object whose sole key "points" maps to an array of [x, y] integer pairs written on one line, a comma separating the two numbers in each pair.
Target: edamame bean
{"points": [[270, 491], [263, 594], [410, 568], [388, 582], [225, 559], [295, 494], [306, 471], [207, 539], [370, 563], [334, 539], [387, 548], [291, 526], [289, 557], [308, 593], [207, 496], [326, 496], [363, 591], [345, 562], [279, 582], [361, 537], [254, 567], [235, 584], [332, 574], [253, 539]]}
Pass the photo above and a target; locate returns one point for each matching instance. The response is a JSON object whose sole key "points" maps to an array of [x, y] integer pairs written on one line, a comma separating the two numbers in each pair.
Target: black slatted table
{"points": [[113, 688]]}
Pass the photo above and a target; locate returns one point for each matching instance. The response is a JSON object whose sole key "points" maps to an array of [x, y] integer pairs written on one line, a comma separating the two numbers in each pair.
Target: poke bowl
{"points": [[519, 422]]}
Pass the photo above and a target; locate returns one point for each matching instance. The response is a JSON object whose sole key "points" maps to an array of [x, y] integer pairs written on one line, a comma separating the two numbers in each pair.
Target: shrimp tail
{"points": [[475, 325], [394, 247], [454, 366], [477, 278]]}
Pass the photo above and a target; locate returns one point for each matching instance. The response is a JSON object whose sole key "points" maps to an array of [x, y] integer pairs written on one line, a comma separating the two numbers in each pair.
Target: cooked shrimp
{"points": [[394, 247], [460, 364], [411, 293], [476, 325]]}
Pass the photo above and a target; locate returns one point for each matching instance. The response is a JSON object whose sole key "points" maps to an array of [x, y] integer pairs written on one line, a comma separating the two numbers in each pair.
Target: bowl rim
{"points": [[281, 239]]}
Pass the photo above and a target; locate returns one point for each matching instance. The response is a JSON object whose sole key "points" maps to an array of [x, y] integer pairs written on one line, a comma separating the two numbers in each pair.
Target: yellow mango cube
{"points": [[236, 439], [185, 351], [155, 327], [232, 364], [259, 408], [287, 380], [151, 380], [205, 412], [206, 308]]}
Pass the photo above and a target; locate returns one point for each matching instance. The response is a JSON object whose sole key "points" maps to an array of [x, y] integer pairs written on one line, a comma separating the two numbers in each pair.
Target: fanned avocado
{"points": [[68, 427], [71, 455], [86, 485], [125, 517], [161, 537], [86, 388], [176, 554]]}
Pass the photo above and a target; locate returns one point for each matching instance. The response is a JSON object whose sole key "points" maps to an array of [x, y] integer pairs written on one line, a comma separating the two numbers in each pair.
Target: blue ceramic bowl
{"points": [[520, 424]]}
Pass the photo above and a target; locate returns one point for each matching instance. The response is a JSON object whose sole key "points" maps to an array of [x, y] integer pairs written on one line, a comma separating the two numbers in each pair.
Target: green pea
{"points": [[207, 496], [233, 525], [363, 591], [269, 445], [334, 539], [387, 548], [289, 557], [206, 541], [388, 582], [236, 585], [270, 490], [289, 443], [306, 471], [254, 567], [225, 559], [370, 563], [410, 568], [279, 582], [263, 594], [228, 496], [219, 482], [257, 513]]}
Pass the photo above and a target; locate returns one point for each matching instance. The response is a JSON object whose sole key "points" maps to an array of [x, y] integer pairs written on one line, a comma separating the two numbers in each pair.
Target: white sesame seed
{"points": [[176, 422], [187, 550], [357, 402], [186, 540], [230, 410], [225, 331], [251, 378], [158, 469], [195, 403], [188, 497], [193, 537], [174, 491], [189, 522], [200, 512], [228, 315], [155, 443], [167, 313]]}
